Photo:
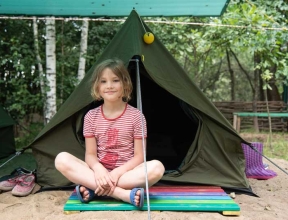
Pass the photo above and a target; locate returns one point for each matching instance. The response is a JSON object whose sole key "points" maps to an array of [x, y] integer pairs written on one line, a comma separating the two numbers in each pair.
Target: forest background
{"points": [[240, 56]]}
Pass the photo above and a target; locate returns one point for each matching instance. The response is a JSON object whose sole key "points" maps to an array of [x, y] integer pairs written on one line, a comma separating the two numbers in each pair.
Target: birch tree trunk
{"points": [[50, 68], [83, 50], [39, 63]]}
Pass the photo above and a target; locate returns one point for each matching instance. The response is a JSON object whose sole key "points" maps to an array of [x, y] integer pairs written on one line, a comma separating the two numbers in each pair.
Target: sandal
{"points": [[132, 196], [24, 186], [79, 195]]}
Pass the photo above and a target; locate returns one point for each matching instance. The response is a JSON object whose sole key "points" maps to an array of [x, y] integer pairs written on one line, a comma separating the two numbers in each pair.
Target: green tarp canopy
{"points": [[113, 8], [185, 130], [7, 141]]}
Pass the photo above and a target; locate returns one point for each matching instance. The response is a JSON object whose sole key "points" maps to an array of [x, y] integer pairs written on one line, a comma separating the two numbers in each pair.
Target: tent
{"points": [[7, 141], [185, 130]]}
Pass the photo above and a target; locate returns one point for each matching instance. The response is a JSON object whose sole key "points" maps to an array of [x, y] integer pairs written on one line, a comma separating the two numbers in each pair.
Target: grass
{"points": [[279, 143]]}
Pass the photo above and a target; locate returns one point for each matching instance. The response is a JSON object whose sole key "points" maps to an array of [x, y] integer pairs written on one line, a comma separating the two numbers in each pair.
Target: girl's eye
{"points": [[116, 80], [103, 81]]}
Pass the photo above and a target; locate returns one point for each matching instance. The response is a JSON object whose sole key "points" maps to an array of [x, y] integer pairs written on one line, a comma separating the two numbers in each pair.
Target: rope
{"points": [[147, 21], [254, 148], [16, 154]]}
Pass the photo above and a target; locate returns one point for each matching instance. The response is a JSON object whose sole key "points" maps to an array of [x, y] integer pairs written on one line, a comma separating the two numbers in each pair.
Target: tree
{"points": [[39, 62], [50, 69], [19, 88], [83, 49]]}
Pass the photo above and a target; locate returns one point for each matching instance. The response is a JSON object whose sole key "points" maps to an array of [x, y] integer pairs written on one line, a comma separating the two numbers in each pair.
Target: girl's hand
{"points": [[115, 175], [104, 181]]}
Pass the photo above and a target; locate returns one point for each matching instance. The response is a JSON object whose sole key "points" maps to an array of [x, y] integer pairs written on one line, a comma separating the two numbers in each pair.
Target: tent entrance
{"points": [[170, 131]]}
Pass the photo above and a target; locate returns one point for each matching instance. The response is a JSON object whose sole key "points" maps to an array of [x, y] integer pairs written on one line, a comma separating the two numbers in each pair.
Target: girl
{"points": [[113, 163]]}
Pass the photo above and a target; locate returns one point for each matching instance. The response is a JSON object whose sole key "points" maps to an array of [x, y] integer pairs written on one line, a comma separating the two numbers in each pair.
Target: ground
{"points": [[271, 203]]}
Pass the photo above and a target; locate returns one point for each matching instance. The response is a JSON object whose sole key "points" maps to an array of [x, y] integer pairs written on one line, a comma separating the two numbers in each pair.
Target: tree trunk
{"points": [[50, 68], [269, 120], [83, 50], [232, 77], [273, 95], [39, 63], [244, 71], [257, 73]]}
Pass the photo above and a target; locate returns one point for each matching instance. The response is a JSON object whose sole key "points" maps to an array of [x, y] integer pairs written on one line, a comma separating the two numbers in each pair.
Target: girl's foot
{"points": [[84, 194], [137, 197]]}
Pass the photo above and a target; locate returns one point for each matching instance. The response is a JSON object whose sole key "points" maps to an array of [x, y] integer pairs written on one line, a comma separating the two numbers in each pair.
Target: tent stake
{"points": [[139, 106]]}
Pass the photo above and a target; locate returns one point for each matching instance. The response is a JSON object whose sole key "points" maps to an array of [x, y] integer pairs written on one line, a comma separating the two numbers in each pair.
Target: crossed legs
{"points": [[78, 172]]}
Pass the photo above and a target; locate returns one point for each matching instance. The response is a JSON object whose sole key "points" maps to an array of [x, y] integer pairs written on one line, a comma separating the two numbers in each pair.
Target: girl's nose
{"points": [[109, 84]]}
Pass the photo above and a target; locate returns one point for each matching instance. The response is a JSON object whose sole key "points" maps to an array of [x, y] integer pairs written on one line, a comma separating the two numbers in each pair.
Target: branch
{"points": [[241, 67]]}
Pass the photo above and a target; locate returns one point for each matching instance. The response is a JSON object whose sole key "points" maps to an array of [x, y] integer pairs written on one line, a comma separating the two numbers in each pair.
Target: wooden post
{"points": [[234, 121], [238, 124]]}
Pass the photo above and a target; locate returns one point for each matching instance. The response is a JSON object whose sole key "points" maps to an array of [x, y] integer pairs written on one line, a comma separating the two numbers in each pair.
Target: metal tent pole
{"points": [[139, 106]]}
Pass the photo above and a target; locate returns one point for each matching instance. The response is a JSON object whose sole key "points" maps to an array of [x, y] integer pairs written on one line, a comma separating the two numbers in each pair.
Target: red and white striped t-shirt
{"points": [[114, 137]]}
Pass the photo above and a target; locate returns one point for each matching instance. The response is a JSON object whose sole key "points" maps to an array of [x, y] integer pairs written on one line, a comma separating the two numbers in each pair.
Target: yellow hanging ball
{"points": [[148, 38]]}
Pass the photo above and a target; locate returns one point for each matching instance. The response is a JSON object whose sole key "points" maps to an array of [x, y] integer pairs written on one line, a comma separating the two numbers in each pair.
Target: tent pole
{"points": [[139, 106]]}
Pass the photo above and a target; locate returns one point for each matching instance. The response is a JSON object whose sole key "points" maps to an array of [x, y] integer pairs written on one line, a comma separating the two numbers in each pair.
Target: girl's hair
{"points": [[118, 68]]}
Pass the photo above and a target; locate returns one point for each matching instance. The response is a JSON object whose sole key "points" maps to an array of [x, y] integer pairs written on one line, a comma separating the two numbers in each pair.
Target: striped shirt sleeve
{"points": [[139, 121], [88, 127]]}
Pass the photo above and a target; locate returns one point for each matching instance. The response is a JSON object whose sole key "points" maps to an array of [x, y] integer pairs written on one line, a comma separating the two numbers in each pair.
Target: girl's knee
{"points": [[157, 168], [61, 160]]}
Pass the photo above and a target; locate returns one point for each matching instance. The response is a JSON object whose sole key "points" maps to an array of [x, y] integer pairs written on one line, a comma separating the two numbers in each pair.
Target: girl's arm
{"points": [[132, 163], [91, 152], [103, 179]]}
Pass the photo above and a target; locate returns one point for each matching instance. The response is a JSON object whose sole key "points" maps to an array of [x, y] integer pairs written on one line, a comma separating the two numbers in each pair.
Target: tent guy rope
{"points": [[148, 21]]}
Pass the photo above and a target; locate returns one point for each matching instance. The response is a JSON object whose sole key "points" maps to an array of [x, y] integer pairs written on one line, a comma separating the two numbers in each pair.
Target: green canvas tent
{"points": [[185, 130], [7, 141]]}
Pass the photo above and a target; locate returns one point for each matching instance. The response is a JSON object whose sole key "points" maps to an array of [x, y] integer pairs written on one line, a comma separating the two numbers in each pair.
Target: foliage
{"points": [[264, 34], [28, 135], [20, 91], [199, 44], [18, 86]]}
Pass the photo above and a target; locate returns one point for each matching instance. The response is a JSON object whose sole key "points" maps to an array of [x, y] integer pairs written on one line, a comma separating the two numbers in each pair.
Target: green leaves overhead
{"points": [[200, 45]]}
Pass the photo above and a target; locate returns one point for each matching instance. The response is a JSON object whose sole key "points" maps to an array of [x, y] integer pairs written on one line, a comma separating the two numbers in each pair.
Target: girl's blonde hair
{"points": [[118, 68]]}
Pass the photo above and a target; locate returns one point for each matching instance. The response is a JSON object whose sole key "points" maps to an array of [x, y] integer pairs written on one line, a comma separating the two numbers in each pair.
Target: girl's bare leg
{"points": [[75, 169], [137, 178]]}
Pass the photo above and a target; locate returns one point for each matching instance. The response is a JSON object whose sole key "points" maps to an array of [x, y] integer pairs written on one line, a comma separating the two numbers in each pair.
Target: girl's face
{"points": [[110, 86]]}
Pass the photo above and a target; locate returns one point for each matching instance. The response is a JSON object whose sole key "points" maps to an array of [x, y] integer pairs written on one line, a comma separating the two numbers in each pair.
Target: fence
{"points": [[278, 124]]}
